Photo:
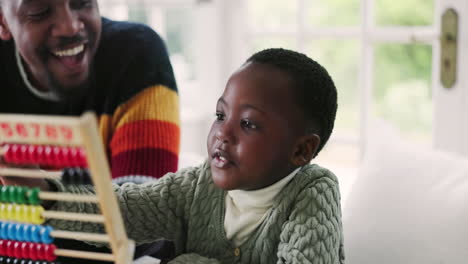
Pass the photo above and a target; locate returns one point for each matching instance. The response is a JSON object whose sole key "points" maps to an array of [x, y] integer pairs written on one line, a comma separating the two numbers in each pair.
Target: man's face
{"points": [[56, 38]]}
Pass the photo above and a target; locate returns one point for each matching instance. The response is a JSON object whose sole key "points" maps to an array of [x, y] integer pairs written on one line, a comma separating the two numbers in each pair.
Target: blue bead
{"points": [[26, 232], [11, 231], [45, 235], [2, 227], [19, 232], [35, 237], [3, 230]]}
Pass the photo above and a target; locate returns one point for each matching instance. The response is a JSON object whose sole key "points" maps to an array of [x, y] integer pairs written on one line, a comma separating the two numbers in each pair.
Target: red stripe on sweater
{"points": [[152, 162]]}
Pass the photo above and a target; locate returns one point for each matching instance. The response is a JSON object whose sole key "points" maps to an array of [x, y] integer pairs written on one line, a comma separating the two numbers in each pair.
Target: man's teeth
{"points": [[70, 52], [222, 158]]}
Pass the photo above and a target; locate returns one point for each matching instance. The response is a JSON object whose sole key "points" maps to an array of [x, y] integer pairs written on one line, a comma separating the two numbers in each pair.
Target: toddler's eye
{"points": [[219, 116], [248, 124]]}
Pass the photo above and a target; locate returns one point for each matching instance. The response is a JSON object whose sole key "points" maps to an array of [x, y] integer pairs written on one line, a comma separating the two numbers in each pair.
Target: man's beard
{"points": [[70, 94]]}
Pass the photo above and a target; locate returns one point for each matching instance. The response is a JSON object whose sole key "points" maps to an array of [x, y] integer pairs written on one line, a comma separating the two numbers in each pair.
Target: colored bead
{"points": [[36, 215], [40, 251], [23, 216], [23, 150], [49, 251], [33, 196], [26, 230], [35, 237], [4, 198], [82, 158], [46, 238], [32, 154], [21, 195], [11, 231], [19, 232], [10, 212], [40, 154], [18, 212], [9, 248], [32, 254], [47, 155], [2, 247], [3, 211], [17, 249], [25, 250], [11, 194], [4, 230]]}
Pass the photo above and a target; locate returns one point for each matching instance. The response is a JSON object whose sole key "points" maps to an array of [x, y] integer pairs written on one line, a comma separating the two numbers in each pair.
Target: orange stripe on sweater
{"points": [[146, 134], [156, 103]]}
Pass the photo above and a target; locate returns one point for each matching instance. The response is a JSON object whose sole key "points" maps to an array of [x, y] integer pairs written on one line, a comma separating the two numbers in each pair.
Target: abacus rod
{"points": [[80, 236], [96, 218], [84, 254], [31, 173], [69, 197]]}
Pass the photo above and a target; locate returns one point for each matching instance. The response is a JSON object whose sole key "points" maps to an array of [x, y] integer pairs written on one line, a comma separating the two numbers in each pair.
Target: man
{"points": [[59, 57]]}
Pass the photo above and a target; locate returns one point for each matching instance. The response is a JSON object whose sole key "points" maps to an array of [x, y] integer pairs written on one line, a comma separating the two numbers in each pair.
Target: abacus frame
{"points": [[76, 131]]}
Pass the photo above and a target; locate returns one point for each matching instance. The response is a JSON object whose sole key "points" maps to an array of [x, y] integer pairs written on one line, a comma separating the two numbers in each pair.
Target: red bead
{"points": [[49, 252], [17, 250], [65, 157], [82, 158], [25, 250], [40, 154], [11, 154], [32, 252], [23, 149], [48, 156], [40, 254], [9, 249], [58, 156], [32, 154], [3, 247]]}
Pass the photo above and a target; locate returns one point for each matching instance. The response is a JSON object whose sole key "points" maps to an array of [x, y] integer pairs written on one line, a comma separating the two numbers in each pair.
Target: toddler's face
{"points": [[255, 133]]}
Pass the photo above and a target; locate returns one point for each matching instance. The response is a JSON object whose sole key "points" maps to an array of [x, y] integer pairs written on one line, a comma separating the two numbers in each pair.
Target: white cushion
{"points": [[407, 206]]}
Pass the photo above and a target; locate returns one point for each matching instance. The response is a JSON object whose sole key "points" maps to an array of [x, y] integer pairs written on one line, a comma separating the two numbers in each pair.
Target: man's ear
{"points": [[5, 33], [305, 149]]}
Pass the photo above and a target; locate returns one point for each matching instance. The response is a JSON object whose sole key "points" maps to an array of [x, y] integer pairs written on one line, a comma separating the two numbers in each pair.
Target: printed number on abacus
{"points": [[35, 130]]}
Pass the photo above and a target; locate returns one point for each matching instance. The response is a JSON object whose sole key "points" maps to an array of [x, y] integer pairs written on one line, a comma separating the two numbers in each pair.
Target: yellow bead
{"points": [[18, 213], [2, 211], [24, 216], [10, 212], [36, 215]]}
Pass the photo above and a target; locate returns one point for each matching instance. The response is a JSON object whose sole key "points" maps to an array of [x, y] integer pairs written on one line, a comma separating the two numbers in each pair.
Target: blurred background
{"points": [[383, 56]]}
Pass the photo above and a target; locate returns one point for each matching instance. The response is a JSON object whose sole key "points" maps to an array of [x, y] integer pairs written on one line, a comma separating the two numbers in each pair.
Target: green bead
{"points": [[4, 194], [21, 195], [33, 196], [12, 194]]}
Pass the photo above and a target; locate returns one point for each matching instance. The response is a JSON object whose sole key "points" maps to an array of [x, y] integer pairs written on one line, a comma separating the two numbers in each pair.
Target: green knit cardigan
{"points": [[303, 226]]}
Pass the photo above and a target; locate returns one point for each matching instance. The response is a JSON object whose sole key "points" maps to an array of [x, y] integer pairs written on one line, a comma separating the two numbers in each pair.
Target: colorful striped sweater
{"points": [[133, 91]]}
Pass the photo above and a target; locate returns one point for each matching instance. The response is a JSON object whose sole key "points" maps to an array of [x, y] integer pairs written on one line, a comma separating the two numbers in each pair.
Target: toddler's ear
{"points": [[5, 33], [305, 149]]}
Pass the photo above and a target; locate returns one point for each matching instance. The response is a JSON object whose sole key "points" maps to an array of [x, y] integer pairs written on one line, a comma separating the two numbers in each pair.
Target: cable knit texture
{"points": [[303, 226]]}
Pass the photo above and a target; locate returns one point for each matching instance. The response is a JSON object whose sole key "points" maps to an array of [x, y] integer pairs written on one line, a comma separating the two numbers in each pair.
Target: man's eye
{"points": [[36, 15], [248, 124], [78, 4], [219, 116]]}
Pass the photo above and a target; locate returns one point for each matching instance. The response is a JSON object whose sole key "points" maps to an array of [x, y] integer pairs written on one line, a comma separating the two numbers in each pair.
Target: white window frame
{"points": [[450, 134]]}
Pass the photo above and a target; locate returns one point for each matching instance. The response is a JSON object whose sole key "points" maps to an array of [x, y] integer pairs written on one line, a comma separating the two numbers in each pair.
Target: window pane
{"points": [[260, 43], [402, 89], [341, 59], [404, 12], [272, 14], [332, 12], [341, 154]]}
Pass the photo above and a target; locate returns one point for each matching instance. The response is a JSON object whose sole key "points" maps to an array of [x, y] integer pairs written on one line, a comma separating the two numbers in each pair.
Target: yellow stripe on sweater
{"points": [[154, 103]]}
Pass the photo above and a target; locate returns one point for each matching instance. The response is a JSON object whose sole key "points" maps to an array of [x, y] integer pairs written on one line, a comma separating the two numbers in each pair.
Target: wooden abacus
{"points": [[58, 143]]}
